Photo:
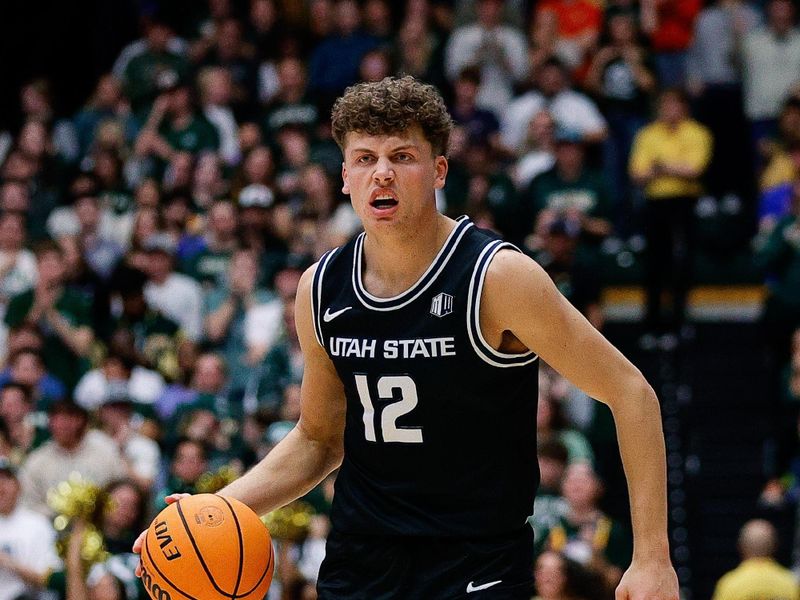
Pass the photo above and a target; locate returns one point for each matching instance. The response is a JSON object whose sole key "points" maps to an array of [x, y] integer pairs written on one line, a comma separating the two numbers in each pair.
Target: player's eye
{"points": [[364, 160], [403, 157]]}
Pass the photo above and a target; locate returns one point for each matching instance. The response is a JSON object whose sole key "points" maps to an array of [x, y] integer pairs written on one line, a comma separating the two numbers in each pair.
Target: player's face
{"points": [[392, 178]]}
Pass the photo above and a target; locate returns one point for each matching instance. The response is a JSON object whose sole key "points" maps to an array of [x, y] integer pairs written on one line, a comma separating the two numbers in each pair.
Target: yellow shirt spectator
{"points": [[670, 159], [779, 170], [757, 578]]}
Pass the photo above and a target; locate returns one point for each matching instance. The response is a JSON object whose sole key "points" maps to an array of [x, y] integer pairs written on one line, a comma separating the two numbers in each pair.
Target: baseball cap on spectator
{"points": [[7, 467], [160, 242], [256, 195]]}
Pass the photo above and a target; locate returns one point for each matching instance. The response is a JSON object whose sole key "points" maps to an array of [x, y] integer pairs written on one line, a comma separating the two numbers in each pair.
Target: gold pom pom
{"points": [[75, 497], [209, 483], [72, 500], [291, 522]]}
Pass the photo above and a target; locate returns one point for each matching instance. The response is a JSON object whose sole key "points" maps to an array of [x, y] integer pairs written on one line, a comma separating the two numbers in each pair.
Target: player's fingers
{"points": [[172, 498], [137, 545], [621, 593]]}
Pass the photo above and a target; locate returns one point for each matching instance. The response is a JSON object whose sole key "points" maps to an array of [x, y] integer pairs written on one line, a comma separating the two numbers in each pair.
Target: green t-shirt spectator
{"points": [[208, 266], [501, 200], [235, 344], [780, 256], [60, 360], [156, 338], [606, 536], [142, 75], [588, 194], [197, 135]]}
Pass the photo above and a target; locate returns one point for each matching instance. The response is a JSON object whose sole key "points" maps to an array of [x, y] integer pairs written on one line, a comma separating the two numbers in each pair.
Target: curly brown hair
{"points": [[391, 106]]}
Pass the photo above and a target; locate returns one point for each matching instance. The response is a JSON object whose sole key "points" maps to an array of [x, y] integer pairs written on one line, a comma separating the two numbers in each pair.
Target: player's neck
{"points": [[393, 263]]}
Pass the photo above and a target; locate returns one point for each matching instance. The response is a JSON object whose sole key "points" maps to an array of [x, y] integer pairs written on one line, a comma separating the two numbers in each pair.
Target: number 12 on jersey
{"points": [[390, 432]]}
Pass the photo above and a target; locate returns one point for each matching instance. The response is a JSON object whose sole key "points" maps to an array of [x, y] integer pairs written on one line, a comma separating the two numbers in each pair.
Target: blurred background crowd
{"points": [[157, 211]]}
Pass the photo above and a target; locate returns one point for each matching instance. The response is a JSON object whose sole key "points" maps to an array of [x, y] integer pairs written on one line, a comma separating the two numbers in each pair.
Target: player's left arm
{"points": [[519, 298]]}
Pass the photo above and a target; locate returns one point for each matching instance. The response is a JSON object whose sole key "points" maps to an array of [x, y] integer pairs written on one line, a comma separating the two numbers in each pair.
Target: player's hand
{"points": [[648, 581], [137, 545]]}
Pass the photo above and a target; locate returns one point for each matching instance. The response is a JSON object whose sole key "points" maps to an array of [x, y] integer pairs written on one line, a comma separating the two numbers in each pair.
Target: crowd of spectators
{"points": [[151, 243]]}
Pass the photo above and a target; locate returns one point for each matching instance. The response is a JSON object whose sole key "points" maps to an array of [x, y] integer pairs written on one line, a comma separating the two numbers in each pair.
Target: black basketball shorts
{"points": [[358, 567]]}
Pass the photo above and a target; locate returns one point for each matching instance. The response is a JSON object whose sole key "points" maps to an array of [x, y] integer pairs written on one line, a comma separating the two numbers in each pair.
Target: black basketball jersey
{"points": [[440, 434]]}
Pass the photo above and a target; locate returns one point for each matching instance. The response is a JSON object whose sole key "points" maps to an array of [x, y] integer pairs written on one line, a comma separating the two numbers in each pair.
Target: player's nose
{"points": [[383, 173]]}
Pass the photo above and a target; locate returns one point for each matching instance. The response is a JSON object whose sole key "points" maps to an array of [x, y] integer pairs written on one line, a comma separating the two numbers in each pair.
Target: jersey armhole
{"points": [[316, 296], [482, 348]]}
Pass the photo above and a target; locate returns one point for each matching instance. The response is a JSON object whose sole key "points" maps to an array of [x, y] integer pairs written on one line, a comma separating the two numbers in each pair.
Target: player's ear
{"points": [[345, 183], [440, 167]]}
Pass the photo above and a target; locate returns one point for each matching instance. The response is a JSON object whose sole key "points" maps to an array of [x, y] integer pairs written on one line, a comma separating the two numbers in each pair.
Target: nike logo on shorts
{"points": [[471, 587], [330, 316]]}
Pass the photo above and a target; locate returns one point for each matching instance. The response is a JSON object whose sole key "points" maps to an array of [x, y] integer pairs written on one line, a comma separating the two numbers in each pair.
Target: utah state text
{"points": [[413, 348]]}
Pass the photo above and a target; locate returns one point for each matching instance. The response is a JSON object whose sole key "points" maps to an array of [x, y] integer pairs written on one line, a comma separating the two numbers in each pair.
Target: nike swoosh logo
{"points": [[330, 316], [471, 587]]}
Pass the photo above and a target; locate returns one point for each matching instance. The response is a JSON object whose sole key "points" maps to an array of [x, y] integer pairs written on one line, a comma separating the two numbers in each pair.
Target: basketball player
{"points": [[421, 339]]}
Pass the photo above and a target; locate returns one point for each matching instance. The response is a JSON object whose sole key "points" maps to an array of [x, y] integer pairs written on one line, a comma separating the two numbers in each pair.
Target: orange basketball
{"points": [[207, 547]]}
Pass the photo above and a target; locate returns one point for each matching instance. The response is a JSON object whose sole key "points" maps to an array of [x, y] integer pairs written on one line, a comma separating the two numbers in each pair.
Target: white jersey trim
{"points": [[421, 285], [316, 295], [482, 348]]}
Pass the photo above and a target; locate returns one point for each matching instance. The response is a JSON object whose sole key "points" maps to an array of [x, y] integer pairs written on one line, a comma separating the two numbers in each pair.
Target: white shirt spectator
{"points": [[221, 117], [715, 54], [530, 165], [263, 324], [96, 459], [501, 54], [31, 541], [571, 110], [771, 69], [17, 274], [143, 456], [144, 387], [179, 298], [63, 221], [176, 45]]}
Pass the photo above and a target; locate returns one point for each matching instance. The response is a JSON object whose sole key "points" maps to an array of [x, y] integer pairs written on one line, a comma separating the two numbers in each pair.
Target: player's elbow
{"points": [[326, 444], [631, 390], [335, 458], [648, 395], [643, 395]]}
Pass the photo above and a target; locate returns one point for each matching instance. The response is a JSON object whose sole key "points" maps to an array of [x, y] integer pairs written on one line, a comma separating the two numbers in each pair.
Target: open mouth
{"points": [[384, 201]]}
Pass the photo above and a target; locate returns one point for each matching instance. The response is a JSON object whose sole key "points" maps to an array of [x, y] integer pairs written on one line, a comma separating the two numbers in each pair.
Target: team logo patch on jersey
{"points": [[441, 305]]}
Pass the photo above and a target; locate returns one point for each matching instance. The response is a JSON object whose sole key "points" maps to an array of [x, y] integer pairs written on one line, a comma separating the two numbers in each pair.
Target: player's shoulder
{"points": [[511, 268], [306, 284], [512, 279]]}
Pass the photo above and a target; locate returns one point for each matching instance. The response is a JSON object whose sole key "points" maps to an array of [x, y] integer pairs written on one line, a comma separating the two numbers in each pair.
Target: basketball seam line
{"points": [[264, 574], [189, 596], [241, 548], [199, 555], [164, 577]]}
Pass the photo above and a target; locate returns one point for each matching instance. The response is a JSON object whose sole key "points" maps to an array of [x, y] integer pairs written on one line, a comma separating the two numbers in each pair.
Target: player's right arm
{"points": [[314, 447]]}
